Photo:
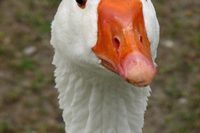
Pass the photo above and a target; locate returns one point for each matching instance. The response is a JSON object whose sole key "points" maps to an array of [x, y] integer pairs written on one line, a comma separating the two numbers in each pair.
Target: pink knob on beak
{"points": [[138, 70]]}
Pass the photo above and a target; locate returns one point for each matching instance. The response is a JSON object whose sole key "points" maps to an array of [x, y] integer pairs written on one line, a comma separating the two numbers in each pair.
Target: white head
{"points": [[121, 35]]}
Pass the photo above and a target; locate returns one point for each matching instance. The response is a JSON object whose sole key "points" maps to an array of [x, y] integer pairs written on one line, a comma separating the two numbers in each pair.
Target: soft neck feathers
{"points": [[93, 104], [91, 101]]}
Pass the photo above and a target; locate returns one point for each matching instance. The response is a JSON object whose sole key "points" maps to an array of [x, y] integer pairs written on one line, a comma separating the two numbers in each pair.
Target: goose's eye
{"points": [[81, 3]]}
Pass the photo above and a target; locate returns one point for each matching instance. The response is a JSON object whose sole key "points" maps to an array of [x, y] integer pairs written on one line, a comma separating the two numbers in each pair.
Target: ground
{"points": [[28, 99]]}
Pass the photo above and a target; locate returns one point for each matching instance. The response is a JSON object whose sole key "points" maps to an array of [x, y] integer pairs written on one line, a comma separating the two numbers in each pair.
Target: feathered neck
{"points": [[95, 103]]}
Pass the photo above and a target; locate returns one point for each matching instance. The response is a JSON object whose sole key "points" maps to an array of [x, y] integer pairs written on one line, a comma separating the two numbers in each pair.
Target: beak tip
{"points": [[138, 70], [140, 80]]}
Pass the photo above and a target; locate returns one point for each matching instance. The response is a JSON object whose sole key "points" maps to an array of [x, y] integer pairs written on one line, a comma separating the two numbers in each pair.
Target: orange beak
{"points": [[123, 45]]}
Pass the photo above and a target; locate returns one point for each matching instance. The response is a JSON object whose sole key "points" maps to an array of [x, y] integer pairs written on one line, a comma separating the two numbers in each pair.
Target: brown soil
{"points": [[28, 99]]}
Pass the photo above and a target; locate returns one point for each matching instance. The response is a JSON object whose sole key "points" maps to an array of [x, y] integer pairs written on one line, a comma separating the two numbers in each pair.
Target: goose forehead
{"points": [[149, 14], [88, 15], [74, 30]]}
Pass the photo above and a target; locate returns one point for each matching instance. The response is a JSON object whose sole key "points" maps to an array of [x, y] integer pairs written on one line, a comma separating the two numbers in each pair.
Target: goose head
{"points": [[120, 36]]}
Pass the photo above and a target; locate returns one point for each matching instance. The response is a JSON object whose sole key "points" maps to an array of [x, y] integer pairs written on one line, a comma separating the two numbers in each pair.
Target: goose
{"points": [[104, 57]]}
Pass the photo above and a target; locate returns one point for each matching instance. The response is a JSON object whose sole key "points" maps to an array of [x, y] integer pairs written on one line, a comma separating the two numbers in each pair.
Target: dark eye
{"points": [[81, 3]]}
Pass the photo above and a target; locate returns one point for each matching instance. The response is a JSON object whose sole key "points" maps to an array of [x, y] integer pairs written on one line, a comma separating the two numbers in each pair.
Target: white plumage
{"points": [[93, 99]]}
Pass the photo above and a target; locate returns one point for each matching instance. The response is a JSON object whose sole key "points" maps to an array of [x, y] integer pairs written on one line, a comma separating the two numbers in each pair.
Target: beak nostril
{"points": [[116, 42], [141, 39]]}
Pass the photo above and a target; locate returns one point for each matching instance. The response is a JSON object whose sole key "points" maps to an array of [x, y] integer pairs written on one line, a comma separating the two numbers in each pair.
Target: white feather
{"points": [[152, 26], [100, 104], [95, 100]]}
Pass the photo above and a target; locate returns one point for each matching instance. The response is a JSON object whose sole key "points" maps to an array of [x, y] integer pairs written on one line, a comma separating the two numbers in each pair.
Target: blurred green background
{"points": [[28, 99]]}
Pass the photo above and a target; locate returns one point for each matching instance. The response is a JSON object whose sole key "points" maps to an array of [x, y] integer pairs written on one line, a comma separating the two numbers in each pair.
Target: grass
{"points": [[197, 39], [2, 35], [39, 82], [29, 91], [12, 96], [2, 50], [197, 86], [23, 64], [53, 2], [37, 21], [4, 126], [27, 99]]}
